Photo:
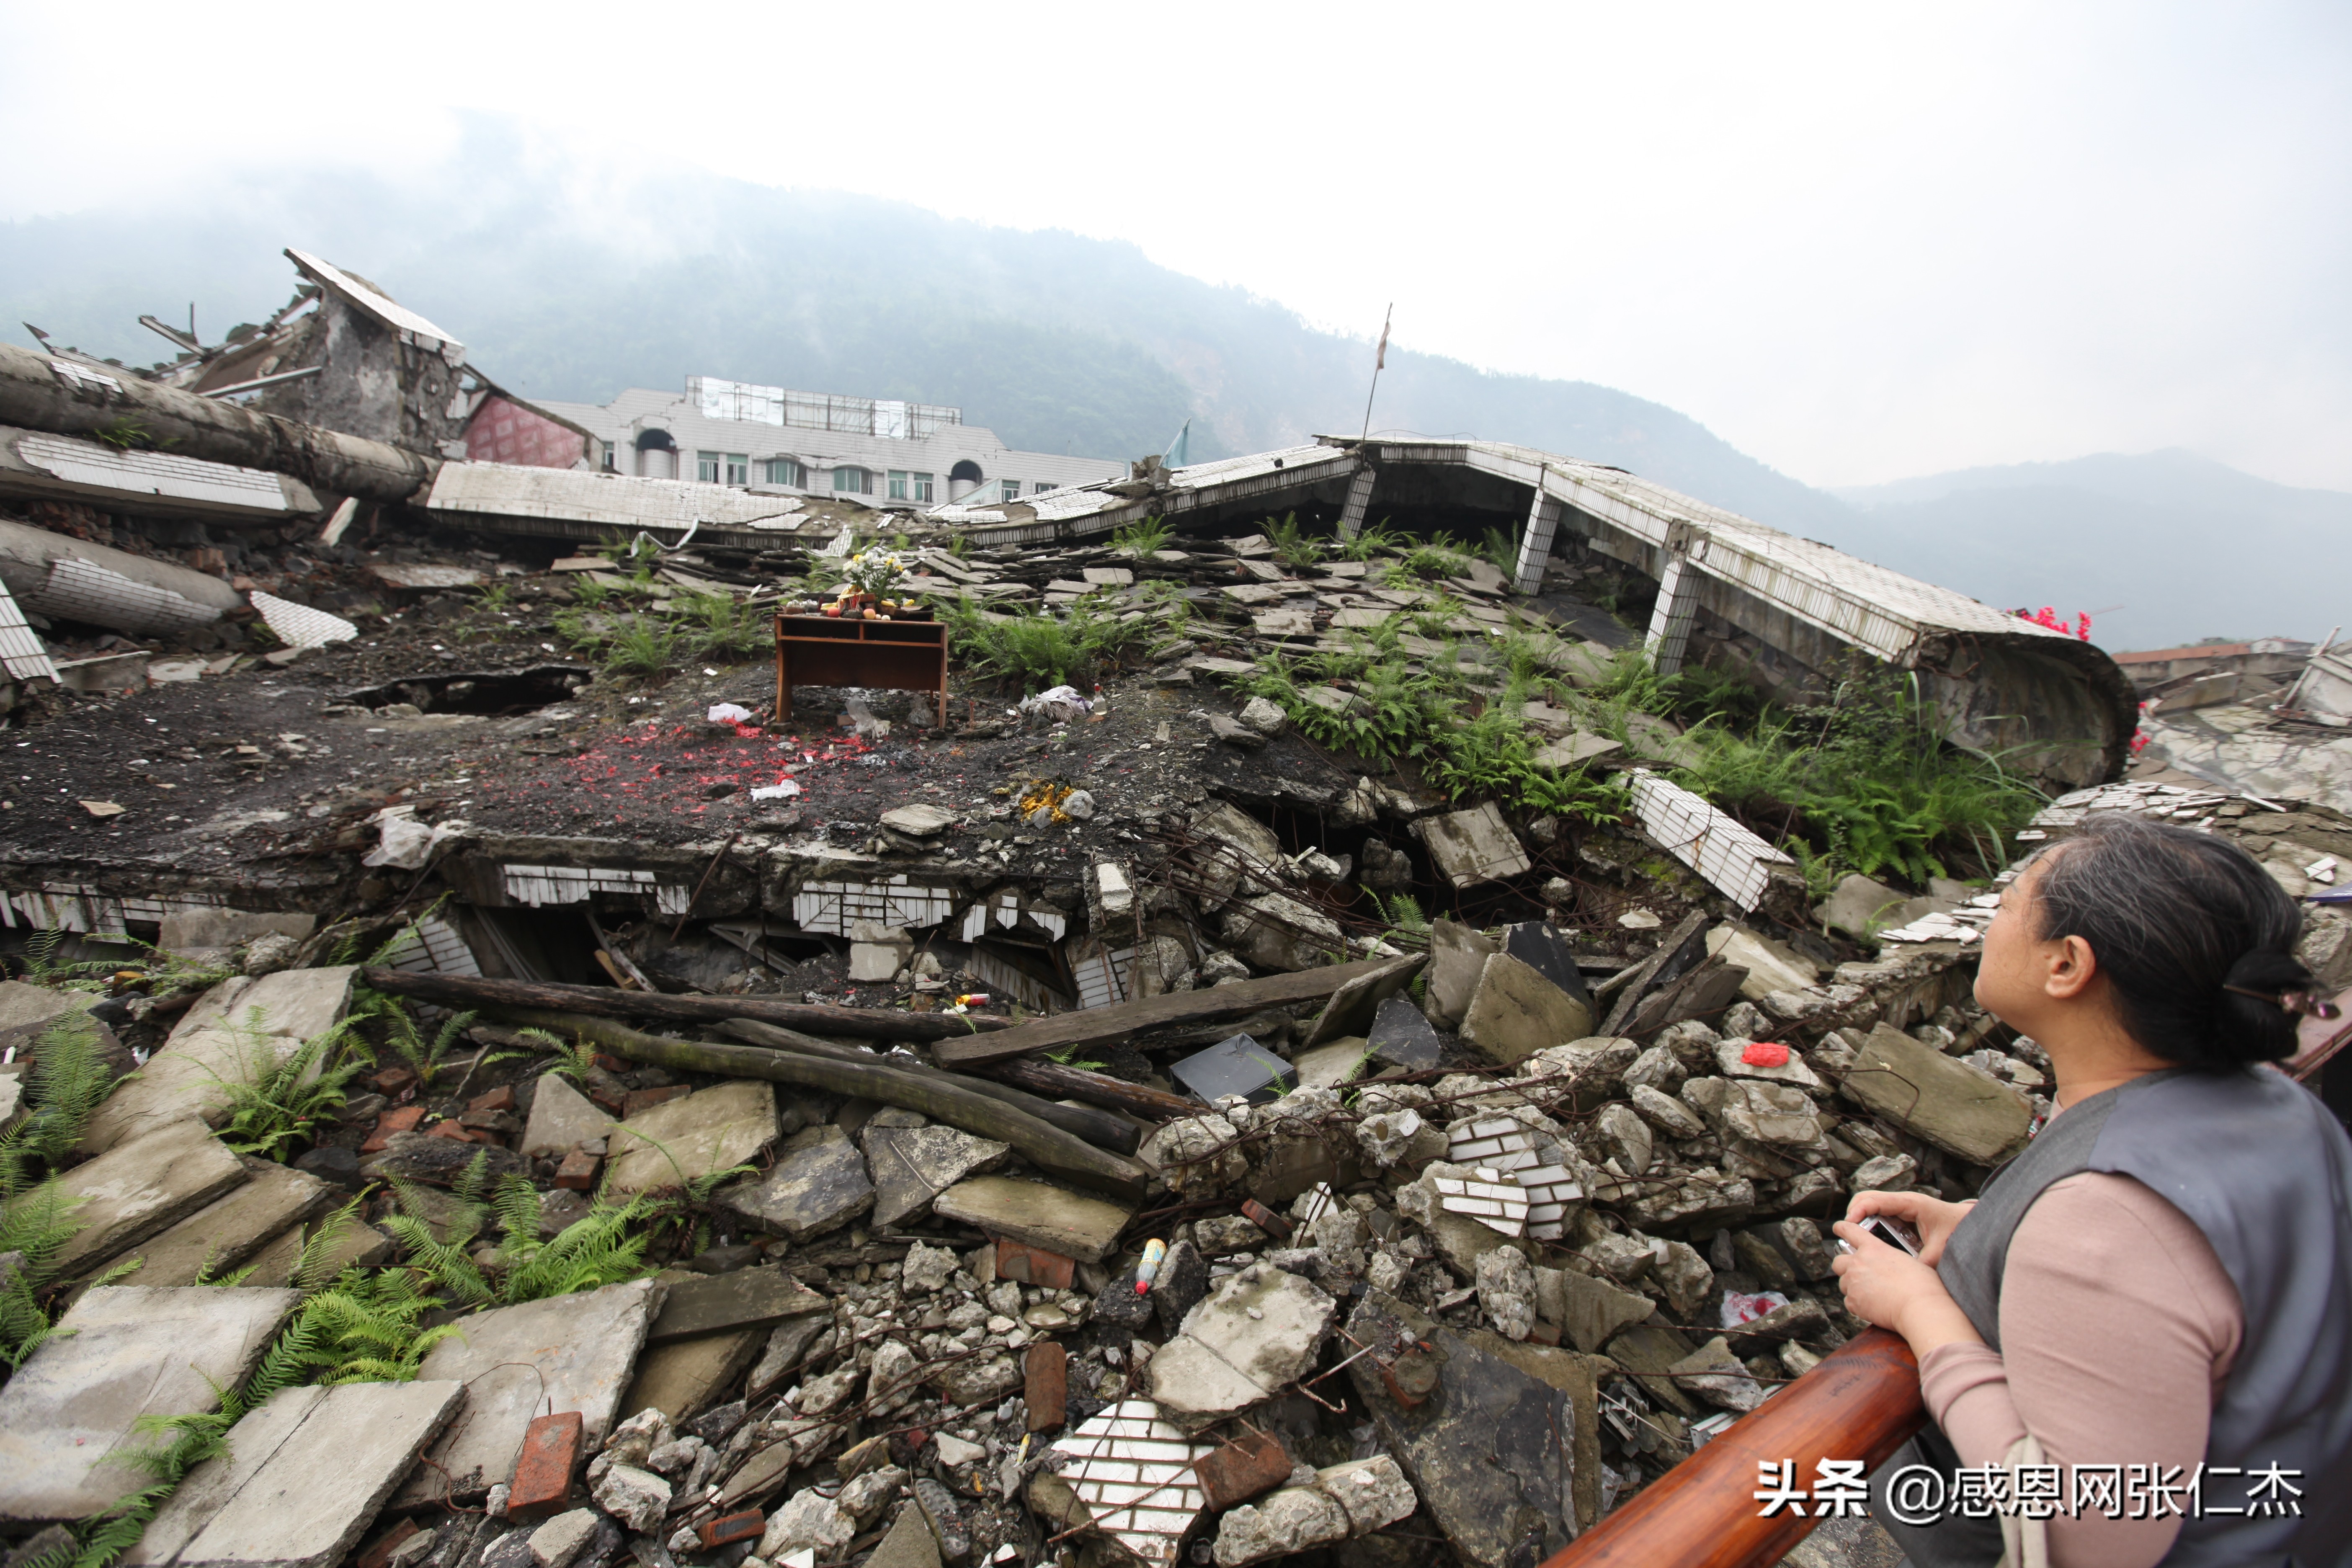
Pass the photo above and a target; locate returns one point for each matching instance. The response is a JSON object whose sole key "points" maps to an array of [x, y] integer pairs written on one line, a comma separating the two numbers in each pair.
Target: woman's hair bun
{"points": [[2177, 919]]}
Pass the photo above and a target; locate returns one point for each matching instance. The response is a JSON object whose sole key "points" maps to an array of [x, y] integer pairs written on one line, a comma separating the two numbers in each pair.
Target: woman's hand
{"points": [[1888, 1287], [1933, 1219]]}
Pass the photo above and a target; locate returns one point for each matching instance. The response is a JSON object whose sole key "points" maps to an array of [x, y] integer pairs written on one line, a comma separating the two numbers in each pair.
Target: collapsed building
{"points": [[847, 1114]]}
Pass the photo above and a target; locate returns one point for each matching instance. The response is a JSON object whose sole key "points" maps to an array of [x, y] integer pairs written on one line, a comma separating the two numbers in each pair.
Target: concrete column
{"points": [[1670, 623], [1359, 500], [1534, 542]]}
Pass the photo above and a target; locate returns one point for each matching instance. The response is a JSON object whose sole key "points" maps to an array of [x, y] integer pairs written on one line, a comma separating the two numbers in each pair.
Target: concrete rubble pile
{"points": [[839, 1136]]}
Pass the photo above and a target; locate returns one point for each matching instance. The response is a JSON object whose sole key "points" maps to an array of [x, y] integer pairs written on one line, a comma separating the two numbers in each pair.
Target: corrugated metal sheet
{"points": [[173, 478]]}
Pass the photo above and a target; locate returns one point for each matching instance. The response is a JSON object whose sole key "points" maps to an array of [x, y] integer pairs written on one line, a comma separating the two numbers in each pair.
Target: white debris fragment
{"points": [[407, 843], [300, 626], [784, 791]]}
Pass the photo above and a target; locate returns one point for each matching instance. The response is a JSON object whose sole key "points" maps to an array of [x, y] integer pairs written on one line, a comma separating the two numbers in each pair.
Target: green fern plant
{"points": [[1140, 539], [274, 1101], [606, 1246], [1370, 542], [1293, 547], [571, 1060]]}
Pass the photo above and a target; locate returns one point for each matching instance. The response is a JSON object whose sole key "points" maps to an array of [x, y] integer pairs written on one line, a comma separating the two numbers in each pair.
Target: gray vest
{"points": [[2265, 1172]]}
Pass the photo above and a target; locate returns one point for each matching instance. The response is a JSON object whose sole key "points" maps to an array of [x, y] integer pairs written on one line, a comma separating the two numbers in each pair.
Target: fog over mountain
{"points": [[565, 283]]}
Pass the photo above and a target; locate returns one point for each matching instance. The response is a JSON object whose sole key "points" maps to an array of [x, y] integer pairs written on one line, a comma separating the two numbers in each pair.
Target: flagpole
{"points": [[1380, 358]]}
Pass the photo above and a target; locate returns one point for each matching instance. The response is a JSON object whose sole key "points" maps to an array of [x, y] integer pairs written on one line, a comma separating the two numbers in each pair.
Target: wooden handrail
{"points": [[1862, 1402]]}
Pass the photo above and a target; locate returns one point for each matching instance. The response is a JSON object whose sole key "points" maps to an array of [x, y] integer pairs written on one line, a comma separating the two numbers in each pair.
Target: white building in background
{"points": [[765, 438]]}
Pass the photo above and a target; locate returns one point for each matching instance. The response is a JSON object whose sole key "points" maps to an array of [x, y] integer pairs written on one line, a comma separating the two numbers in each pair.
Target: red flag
{"points": [[1381, 359]]}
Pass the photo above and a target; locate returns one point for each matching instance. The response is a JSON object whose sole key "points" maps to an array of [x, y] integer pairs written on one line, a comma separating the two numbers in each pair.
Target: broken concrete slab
{"points": [[877, 951], [1333, 1066], [1473, 846], [919, 821], [1935, 1098], [1253, 1336], [1401, 1037], [235, 1228], [124, 1351], [236, 1030], [1457, 957], [303, 1480], [1346, 1499], [1054, 1219], [1490, 1449], [1354, 1005], [218, 930], [1576, 749], [1719, 1377], [1274, 930], [909, 1543], [682, 1377], [1593, 1311], [746, 1299], [911, 1166], [561, 1118], [710, 1130], [141, 1187], [1540, 946], [820, 1185], [1516, 1011], [1771, 965], [568, 1352], [1857, 906], [24, 1006]]}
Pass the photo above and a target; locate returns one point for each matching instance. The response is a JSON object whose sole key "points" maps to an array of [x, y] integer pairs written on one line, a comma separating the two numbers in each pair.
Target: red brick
{"points": [[638, 1099], [1250, 1465], [578, 1171], [728, 1529], [377, 1555], [1034, 1265], [500, 1099], [1265, 1219], [458, 1133], [543, 1471], [1046, 1387], [402, 1120], [1544, 1333], [611, 1063], [392, 1080]]}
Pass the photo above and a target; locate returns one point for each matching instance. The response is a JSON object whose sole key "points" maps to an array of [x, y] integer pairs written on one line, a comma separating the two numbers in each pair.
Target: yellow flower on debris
{"points": [[1048, 795]]}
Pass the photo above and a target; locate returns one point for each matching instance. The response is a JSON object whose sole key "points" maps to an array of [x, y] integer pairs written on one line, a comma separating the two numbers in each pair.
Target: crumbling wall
{"points": [[371, 383]]}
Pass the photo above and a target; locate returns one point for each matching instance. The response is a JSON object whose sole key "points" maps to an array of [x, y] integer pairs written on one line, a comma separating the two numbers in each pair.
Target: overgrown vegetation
{"points": [[1036, 650], [1293, 547], [1866, 780], [68, 1081], [605, 1247], [1143, 538], [274, 1101]]}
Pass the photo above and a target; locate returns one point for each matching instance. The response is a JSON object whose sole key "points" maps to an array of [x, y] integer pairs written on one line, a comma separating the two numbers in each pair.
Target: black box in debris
{"points": [[1236, 1066]]}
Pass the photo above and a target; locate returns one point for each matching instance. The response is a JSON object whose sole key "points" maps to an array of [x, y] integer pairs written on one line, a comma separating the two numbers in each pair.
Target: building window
{"points": [[897, 484], [1040, 488], [851, 480], [1009, 490], [706, 466], [923, 488], [739, 468], [786, 472]]}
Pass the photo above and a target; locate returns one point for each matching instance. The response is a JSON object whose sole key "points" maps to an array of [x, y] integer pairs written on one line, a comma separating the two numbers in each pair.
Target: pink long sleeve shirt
{"points": [[2118, 1327]]}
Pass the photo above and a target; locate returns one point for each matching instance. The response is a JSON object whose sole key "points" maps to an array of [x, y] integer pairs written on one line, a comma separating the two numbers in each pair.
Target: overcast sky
{"points": [[1859, 242]]}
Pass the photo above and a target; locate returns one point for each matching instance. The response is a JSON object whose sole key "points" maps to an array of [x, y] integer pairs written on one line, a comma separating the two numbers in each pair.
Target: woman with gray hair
{"points": [[2136, 1345]]}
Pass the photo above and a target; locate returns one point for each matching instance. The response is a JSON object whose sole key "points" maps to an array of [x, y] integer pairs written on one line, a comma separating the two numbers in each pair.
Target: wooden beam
{"points": [[607, 1002], [1862, 1402], [1099, 1026], [935, 1095]]}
